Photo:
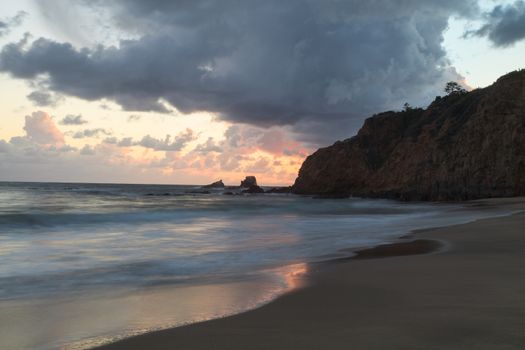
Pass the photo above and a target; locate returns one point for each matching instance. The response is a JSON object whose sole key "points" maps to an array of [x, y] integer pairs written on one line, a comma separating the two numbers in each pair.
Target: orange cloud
{"points": [[270, 154]]}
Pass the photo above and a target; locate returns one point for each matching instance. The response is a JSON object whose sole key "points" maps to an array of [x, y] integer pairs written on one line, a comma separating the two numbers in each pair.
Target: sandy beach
{"points": [[458, 287]]}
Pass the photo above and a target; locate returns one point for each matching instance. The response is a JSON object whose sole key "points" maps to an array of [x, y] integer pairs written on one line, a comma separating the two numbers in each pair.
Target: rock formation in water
{"points": [[463, 146], [253, 189], [216, 184], [279, 190], [249, 181]]}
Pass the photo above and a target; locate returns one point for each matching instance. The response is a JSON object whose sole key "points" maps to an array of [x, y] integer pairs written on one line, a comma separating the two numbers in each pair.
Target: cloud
{"points": [[247, 149], [262, 165], [41, 129], [504, 25], [4, 146], [7, 23], [126, 142], [90, 133], [41, 143], [25, 160], [208, 147], [71, 119], [134, 118], [87, 150], [319, 67], [276, 141], [41, 154], [233, 136], [170, 144], [44, 98], [66, 148], [230, 161], [178, 143]]}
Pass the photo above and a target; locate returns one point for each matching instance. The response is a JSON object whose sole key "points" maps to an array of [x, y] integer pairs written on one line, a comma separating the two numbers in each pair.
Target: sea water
{"points": [[86, 264]]}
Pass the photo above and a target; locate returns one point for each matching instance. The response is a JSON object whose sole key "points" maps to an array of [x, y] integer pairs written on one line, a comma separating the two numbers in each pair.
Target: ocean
{"points": [[86, 264]]}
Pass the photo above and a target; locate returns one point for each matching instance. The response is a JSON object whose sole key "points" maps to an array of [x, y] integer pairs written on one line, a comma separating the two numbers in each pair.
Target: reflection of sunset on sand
{"points": [[159, 308], [293, 275], [120, 314]]}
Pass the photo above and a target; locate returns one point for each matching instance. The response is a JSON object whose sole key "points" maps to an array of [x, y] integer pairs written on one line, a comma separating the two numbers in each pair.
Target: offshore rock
{"points": [[253, 189], [217, 184], [463, 146], [279, 190], [249, 181]]}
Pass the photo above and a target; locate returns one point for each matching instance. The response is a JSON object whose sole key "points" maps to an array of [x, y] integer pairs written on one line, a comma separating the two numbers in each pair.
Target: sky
{"points": [[189, 92]]}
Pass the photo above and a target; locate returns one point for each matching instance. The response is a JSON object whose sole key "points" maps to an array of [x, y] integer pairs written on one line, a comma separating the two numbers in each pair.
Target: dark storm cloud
{"points": [[504, 25], [320, 66]]}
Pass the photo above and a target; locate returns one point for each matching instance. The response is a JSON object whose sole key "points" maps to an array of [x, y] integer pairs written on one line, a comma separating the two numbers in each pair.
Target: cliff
{"points": [[463, 146]]}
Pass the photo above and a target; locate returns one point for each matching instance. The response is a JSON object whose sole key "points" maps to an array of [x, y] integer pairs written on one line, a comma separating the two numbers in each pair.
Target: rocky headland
{"points": [[466, 145]]}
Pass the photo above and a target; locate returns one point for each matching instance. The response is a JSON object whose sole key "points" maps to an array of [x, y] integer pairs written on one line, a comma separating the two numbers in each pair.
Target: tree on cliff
{"points": [[454, 88]]}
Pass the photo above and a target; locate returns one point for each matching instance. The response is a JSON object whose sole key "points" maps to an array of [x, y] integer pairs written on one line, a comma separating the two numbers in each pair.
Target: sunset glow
{"points": [[228, 112]]}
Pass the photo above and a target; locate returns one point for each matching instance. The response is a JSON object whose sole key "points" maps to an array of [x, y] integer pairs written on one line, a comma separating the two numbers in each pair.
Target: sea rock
{"points": [[463, 146], [279, 190], [249, 181], [217, 184], [253, 189]]}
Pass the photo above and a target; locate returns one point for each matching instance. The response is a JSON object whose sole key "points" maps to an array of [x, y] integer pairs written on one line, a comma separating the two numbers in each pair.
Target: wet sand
{"points": [[458, 287]]}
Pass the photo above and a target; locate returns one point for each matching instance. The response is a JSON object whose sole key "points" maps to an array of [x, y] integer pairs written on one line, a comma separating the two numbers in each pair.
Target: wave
{"points": [[58, 235], [19, 220]]}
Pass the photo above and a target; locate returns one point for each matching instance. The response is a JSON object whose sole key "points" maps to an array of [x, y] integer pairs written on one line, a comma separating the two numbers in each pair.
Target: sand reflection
{"points": [[293, 276], [84, 321]]}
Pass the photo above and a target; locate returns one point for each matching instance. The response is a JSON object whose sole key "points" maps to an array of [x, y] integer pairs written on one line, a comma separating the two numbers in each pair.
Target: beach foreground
{"points": [[467, 294]]}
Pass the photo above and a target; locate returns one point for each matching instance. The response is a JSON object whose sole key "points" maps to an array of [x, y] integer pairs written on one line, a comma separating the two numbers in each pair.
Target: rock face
{"points": [[217, 184], [249, 181], [463, 146]]}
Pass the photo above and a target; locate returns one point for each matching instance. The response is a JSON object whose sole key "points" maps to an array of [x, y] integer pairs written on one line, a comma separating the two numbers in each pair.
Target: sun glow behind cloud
{"points": [[190, 149], [267, 109], [217, 149]]}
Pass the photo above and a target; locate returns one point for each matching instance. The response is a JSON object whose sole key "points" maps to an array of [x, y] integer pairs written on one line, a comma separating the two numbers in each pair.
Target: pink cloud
{"points": [[279, 142], [40, 128], [260, 166], [270, 154]]}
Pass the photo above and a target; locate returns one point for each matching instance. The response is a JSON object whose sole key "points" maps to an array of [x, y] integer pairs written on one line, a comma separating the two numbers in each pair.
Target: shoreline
{"points": [[410, 293]]}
